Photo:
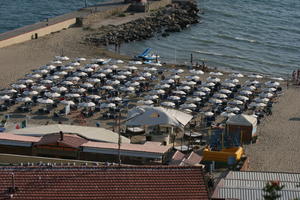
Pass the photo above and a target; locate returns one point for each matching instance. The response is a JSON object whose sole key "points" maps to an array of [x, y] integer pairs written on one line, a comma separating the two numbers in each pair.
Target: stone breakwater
{"points": [[172, 18]]}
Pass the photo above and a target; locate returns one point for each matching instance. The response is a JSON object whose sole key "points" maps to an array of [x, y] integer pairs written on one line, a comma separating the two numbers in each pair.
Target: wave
{"points": [[219, 54], [236, 38]]}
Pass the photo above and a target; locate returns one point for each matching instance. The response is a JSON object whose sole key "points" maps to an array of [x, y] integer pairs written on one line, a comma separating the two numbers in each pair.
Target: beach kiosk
{"points": [[243, 126]]}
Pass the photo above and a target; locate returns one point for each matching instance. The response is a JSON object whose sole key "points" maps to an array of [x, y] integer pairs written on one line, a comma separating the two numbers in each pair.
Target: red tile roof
{"points": [[68, 140], [117, 183], [21, 138], [181, 159]]}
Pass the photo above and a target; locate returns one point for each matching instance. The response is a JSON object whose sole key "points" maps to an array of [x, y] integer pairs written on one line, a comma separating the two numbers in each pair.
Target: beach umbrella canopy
{"points": [[87, 85], [74, 64], [45, 101], [93, 80], [106, 71], [188, 82], [107, 87], [220, 95], [80, 74], [194, 77], [52, 94], [107, 105], [41, 71], [150, 69], [193, 99], [8, 91], [72, 95], [56, 62], [197, 72], [94, 96], [236, 102], [119, 61], [112, 67], [162, 86], [61, 73], [250, 88], [80, 59], [86, 69], [157, 91], [188, 106], [227, 114], [225, 91], [30, 93], [242, 98], [54, 77], [67, 83], [261, 105], [97, 60], [180, 92], [112, 82], [252, 82], [25, 81], [204, 89], [199, 93], [208, 84], [229, 85], [236, 75], [99, 75], [176, 71], [168, 81], [272, 84], [174, 98], [78, 90], [269, 89], [34, 76], [261, 100], [277, 78], [65, 102], [46, 81], [63, 58], [175, 76], [126, 73], [119, 77], [232, 109], [59, 89], [38, 87], [213, 79], [231, 80], [135, 62], [131, 67], [151, 97], [87, 104], [266, 95], [73, 78], [147, 102], [23, 99], [255, 76], [216, 73], [184, 87], [114, 99], [68, 68], [138, 78], [127, 89], [208, 114], [48, 67], [245, 92], [18, 86], [168, 104], [216, 101], [132, 84], [4, 97], [146, 74]]}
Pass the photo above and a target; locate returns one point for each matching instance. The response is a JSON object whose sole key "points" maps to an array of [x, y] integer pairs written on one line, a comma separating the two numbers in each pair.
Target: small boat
{"points": [[146, 55]]}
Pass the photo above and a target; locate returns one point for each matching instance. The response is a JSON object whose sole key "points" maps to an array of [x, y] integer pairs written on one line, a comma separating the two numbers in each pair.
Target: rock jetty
{"points": [[172, 18]]}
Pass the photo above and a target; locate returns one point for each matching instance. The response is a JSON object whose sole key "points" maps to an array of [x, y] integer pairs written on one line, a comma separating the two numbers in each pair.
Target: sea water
{"points": [[249, 35]]}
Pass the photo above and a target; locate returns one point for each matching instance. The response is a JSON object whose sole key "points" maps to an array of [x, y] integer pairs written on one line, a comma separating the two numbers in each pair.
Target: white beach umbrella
{"points": [[131, 67], [138, 78], [93, 80], [87, 104], [132, 84], [94, 96], [99, 75], [266, 95], [208, 84], [184, 87], [225, 91], [67, 83], [204, 89], [52, 94], [176, 71], [220, 96], [250, 88], [119, 61], [236, 75], [127, 89], [112, 82], [232, 109], [74, 64], [80, 74], [231, 80], [235, 102], [97, 60], [106, 71], [114, 99], [174, 98], [48, 67], [54, 77], [162, 86], [168, 81], [261, 105], [112, 67], [147, 102], [46, 81], [146, 74], [23, 99], [193, 99], [66, 102], [180, 92], [87, 85], [272, 84], [188, 106], [56, 62], [72, 95], [18, 86], [73, 78], [135, 62], [79, 59], [4, 97], [150, 69], [269, 89], [255, 76], [242, 98], [216, 73], [151, 97], [208, 114], [38, 87], [197, 72], [261, 100], [78, 90], [213, 79], [41, 71], [107, 105], [86, 69], [175, 76], [194, 78], [59, 89], [188, 83], [36, 76], [168, 104], [277, 78], [45, 101], [157, 91], [215, 101], [252, 82], [64, 58], [245, 92], [125, 73], [8, 91], [199, 93], [227, 114], [119, 77], [67, 68], [229, 85], [30, 93], [107, 87]]}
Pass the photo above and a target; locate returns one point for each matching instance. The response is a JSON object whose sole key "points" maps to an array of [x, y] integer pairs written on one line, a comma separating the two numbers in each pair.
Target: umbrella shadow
{"points": [[60, 119], [41, 117], [16, 116], [295, 119]]}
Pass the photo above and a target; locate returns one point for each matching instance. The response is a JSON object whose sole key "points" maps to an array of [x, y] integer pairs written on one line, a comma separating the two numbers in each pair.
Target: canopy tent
{"points": [[244, 125], [151, 116]]}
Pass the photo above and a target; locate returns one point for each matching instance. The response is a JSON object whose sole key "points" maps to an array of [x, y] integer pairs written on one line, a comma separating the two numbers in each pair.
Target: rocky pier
{"points": [[172, 18]]}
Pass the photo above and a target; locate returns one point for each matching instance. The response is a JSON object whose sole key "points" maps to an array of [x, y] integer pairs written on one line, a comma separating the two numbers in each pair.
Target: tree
{"points": [[271, 190]]}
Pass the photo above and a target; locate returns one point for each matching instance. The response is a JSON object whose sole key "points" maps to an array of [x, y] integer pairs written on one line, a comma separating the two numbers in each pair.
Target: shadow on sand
{"points": [[295, 119]]}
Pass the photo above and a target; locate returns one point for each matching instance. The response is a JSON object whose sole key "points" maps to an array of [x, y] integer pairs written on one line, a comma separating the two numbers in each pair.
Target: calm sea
{"points": [[249, 35]]}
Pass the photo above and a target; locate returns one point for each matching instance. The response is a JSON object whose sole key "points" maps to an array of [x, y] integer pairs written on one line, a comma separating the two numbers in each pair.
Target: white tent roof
{"points": [[90, 133], [242, 120], [151, 116]]}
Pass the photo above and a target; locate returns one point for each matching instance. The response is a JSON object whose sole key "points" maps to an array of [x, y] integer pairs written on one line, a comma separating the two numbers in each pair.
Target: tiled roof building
{"points": [[145, 182]]}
